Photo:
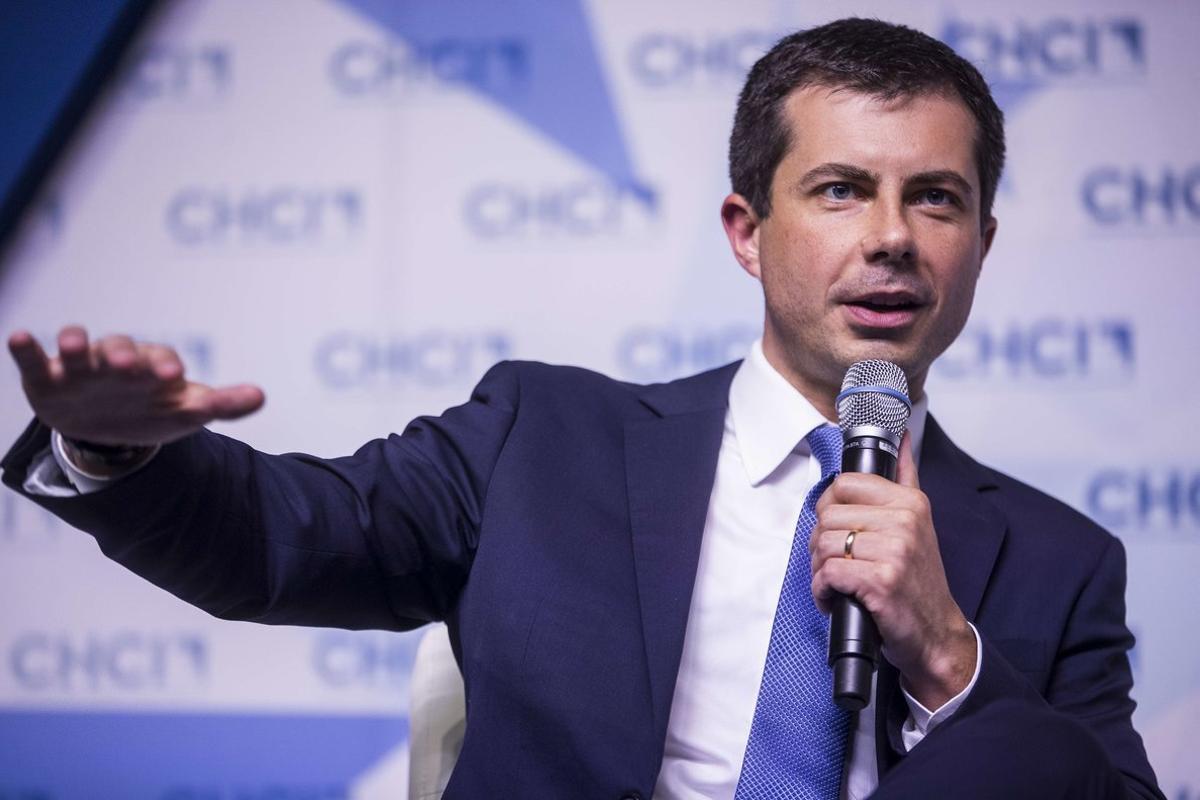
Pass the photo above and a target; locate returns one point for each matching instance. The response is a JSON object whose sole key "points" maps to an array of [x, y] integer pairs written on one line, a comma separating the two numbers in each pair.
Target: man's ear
{"points": [[989, 233], [742, 226]]}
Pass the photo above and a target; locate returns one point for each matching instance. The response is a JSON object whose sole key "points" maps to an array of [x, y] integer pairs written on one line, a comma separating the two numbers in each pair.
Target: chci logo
{"points": [[587, 209], [108, 662], [674, 60], [364, 660], [379, 70], [1148, 498], [1142, 198], [199, 216], [652, 353], [178, 72], [358, 360], [1049, 349], [1050, 49]]}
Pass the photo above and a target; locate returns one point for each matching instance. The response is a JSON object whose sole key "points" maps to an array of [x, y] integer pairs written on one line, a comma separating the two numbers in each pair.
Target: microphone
{"points": [[873, 409]]}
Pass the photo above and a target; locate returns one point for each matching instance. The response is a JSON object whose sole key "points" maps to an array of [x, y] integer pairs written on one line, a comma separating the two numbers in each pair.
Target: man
{"points": [[609, 557]]}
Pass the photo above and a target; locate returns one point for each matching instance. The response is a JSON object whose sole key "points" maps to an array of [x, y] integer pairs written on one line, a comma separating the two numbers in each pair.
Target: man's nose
{"points": [[889, 236]]}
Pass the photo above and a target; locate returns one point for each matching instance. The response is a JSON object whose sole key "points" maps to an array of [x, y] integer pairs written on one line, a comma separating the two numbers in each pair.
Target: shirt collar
{"points": [[770, 418]]}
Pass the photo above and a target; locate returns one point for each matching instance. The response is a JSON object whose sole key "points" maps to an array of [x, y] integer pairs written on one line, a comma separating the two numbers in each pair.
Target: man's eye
{"points": [[839, 191], [939, 197]]}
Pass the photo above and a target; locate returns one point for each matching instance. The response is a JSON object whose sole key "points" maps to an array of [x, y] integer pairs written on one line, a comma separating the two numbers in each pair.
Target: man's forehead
{"points": [[932, 129]]}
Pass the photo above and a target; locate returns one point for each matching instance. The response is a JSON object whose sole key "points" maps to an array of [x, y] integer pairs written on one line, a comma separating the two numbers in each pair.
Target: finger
{"points": [[906, 467], [861, 488], [164, 362], [866, 546], [233, 402], [841, 576], [73, 351], [117, 353], [841, 518], [846, 517], [31, 359], [877, 547]]}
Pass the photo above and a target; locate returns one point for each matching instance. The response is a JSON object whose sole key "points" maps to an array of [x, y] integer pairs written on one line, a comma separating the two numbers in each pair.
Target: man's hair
{"points": [[876, 58]]}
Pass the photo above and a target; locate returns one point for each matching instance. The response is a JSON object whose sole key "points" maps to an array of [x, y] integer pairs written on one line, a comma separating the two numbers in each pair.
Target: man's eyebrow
{"points": [[848, 172], [942, 176], [833, 170]]}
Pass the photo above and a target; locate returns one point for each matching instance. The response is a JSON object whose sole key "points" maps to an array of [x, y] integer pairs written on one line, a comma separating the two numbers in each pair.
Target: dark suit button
{"points": [[632, 796]]}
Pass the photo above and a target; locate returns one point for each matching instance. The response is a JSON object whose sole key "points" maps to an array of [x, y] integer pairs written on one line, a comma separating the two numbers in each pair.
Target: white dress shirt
{"points": [[764, 472]]}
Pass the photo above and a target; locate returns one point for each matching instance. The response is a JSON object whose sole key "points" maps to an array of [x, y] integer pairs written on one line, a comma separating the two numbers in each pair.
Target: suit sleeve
{"points": [[1090, 679], [380, 539]]}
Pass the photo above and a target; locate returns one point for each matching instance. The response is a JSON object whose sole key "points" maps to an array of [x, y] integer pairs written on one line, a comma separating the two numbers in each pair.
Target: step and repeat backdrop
{"points": [[361, 205]]}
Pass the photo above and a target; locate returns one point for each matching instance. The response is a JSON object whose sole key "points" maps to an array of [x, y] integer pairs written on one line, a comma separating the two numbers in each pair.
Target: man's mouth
{"points": [[884, 309]]}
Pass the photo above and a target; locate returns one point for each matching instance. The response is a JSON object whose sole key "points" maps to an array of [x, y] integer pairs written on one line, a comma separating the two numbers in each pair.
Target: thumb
{"points": [[233, 402], [906, 467]]}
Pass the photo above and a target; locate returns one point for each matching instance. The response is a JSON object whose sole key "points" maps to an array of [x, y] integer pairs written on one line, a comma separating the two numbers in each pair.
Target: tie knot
{"points": [[826, 445]]}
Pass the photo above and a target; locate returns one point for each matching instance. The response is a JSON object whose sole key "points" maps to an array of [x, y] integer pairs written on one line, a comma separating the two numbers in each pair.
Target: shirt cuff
{"points": [[45, 478], [921, 721], [87, 482]]}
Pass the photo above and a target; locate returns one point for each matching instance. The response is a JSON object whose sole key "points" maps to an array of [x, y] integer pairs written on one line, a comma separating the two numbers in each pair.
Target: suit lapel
{"points": [[970, 533], [970, 529], [671, 462]]}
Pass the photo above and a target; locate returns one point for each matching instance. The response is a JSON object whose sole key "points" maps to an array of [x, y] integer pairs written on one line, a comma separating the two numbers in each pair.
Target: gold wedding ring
{"points": [[848, 550]]}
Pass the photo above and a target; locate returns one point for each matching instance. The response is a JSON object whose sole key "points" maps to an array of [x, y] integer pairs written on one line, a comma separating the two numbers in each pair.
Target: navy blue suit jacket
{"points": [[554, 521]]}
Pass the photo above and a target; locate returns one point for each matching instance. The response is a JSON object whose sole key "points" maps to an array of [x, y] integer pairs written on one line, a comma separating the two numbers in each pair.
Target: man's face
{"points": [[873, 244]]}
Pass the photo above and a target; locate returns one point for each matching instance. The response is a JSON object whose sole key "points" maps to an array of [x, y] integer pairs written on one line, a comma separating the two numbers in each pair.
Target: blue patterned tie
{"points": [[798, 737]]}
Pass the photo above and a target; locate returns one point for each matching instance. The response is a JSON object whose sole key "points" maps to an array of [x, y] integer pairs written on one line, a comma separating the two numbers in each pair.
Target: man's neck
{"points": [[823, 395]]}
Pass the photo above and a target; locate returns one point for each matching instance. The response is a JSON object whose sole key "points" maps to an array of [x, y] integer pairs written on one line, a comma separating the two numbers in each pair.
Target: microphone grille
{"points": [[874, 393]]}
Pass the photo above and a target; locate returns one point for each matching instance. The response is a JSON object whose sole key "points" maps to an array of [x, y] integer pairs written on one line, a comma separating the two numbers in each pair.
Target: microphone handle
{"points": [[853, 637]]}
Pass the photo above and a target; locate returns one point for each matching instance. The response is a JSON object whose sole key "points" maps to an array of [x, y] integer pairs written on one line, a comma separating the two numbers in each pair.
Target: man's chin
{"points": [[915, 368], [827, 366], [882, 351]]}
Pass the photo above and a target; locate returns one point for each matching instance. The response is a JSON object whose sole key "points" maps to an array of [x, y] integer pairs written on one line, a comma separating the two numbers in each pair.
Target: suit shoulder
{"points": [[1042, 517], [536, 381], [534, 378]]}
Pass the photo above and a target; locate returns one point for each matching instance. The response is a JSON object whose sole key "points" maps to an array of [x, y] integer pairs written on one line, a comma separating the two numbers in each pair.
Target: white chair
{"points": [[437, 716]]}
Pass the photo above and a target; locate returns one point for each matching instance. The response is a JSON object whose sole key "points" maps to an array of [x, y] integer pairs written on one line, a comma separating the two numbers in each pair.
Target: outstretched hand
{"points": [[116, 391]]}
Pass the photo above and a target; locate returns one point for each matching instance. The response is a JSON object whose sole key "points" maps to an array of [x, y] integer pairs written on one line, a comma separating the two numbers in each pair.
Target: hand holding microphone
{"points": [[890, 568]]}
